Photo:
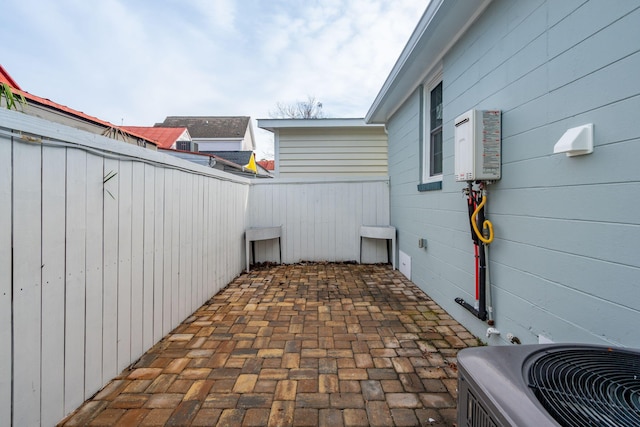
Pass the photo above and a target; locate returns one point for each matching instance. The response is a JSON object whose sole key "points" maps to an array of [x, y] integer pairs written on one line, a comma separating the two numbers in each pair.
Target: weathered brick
{"points": [[305, 417], [312, 400], [372, 390], [255, 400], [286, 390], [86, 413], [353, 374], [330, 418], [157, 417], [132, 417], [128, 401], [355, 417], [346, 400], [231, 417], [281, 414], [256, 417], [176, 366], [379, 414], [403, 400], [206, 417], [108, 417], [404, 417], [245, 383], [437, 400], [164, 400], [199, 390]]}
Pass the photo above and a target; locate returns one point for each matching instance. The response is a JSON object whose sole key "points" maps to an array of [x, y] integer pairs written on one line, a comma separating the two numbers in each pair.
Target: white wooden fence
{"points": [[320, 219], [100, 271], [95, 270]]}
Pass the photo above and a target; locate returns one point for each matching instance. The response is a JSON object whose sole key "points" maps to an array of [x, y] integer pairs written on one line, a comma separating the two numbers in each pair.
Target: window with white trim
{"points": [[432, 134]]}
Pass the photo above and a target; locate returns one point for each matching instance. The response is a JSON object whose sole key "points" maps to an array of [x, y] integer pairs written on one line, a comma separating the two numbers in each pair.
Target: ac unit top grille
{"points": [[588, 386]]}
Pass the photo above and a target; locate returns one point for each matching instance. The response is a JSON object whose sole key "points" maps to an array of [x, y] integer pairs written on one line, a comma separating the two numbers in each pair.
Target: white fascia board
{"points": [[275, 124], [441, 26]]}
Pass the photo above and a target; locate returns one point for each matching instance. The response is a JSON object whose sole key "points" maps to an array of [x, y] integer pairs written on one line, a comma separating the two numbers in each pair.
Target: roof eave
{"points": [[441, 25], [273, 124]]}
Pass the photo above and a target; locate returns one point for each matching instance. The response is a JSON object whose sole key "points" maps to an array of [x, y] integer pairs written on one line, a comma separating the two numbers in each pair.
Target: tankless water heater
{"points": [[478, 144]]}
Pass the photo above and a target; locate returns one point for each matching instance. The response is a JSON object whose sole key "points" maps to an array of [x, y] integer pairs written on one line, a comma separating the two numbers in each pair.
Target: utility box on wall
{"points": [[478, 144]]}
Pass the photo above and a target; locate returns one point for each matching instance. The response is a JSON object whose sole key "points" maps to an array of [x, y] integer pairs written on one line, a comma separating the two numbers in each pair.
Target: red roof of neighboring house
{"points": [[165, 137], [267, 164], [6, 78]]}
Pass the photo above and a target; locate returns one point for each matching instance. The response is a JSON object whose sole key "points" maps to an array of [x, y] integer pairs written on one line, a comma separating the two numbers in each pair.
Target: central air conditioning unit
{"points": [[548, 385]]}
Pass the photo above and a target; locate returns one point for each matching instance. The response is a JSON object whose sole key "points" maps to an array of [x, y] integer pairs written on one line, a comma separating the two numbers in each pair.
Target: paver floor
{"points": [[296, 345]]}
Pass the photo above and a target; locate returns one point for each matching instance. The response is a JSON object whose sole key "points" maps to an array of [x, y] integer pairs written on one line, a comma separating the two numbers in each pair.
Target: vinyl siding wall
{"points": [[565, 261], [332, 152]]}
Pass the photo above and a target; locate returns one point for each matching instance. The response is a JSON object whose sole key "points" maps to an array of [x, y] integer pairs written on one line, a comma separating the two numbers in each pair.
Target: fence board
{"points": [[137, 259], [184, 221], [53, 275], [76, 230], [149, 253], [5, 281], [110, 196], [198, 239], [26, 283], [206, 230], [175, 250], [168, 251], [124, 265], [158, 259], [94, 291]]}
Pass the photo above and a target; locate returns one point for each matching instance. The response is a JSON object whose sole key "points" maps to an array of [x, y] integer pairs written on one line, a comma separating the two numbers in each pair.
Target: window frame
{"points": [[427, 180]]}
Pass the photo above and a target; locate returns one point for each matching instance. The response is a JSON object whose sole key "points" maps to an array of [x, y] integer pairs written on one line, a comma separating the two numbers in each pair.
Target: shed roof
{"points": [[238, 157], [231, 127], [165, 137], [272, 124]]}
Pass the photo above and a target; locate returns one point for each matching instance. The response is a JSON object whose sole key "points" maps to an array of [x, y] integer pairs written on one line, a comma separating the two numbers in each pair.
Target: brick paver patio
{"points": [[297, 345]]}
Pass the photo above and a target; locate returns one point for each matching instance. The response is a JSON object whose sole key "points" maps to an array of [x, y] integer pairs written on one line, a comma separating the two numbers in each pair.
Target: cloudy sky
{"points": [[133, 62]]}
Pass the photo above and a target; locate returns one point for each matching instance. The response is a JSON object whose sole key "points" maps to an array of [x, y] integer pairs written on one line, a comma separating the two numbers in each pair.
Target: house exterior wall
{"points": [[218, 145], [305, 152], [564, 264], [248, 143]]}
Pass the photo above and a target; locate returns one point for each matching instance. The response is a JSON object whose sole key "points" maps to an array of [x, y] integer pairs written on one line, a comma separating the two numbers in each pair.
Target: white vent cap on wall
{"points": [[576, 141]]}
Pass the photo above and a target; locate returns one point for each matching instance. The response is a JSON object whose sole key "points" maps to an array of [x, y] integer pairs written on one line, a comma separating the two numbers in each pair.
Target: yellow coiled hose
{"points": [[486, 224]]}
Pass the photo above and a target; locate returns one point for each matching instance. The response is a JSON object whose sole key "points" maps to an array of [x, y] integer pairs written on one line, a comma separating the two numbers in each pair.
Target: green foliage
{"points": [[11, 100]]}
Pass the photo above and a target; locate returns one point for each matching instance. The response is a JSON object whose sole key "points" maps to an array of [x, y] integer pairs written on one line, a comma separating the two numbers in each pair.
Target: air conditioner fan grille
{"points": [[588, 387]]}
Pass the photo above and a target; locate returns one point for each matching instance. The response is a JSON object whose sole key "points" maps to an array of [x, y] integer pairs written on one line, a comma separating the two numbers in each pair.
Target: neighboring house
{"points": [[216, 133], [249, 169], [52, 111], [564, 265], [327, 147], [267, 164], [167, 138]]}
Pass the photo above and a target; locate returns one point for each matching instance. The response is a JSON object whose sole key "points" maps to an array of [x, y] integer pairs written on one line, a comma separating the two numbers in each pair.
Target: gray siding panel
{"points": [[565, 260]]}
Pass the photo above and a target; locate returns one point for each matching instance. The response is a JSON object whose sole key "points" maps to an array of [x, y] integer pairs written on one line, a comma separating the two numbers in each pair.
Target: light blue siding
{"points": [[566, 260]]}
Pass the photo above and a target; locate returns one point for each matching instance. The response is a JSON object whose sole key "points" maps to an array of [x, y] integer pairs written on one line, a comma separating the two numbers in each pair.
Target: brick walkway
{"points": [[301, 345]]}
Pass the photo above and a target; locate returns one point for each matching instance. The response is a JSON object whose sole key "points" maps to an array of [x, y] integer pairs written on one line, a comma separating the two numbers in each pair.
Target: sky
{"points": [[134, 62]]}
